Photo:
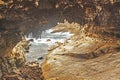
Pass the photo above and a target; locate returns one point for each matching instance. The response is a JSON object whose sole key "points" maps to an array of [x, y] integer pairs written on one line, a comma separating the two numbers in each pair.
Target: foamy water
{"points": [[40, 45]]}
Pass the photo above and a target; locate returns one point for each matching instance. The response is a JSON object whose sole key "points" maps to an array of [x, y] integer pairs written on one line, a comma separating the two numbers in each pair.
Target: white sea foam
{"points": [[47, 35], [40, 45]]}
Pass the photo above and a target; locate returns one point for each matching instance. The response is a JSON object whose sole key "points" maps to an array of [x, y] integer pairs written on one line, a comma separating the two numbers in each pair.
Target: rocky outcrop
{"points": [[13, 59], [13, 64], [83, 56]]}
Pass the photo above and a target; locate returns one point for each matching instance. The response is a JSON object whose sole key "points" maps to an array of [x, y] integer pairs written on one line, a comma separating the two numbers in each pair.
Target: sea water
{"points": [[40, 46]]}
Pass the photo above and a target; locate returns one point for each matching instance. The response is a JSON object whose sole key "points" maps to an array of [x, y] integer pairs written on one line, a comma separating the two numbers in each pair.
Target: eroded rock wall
{"points": [[14, 59]]}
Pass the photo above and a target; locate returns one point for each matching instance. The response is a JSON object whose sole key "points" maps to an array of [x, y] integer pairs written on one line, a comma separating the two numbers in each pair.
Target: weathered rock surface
{"points": [[30, 71], [13, 67], [83, 57], [12, 59], [28, 15]]}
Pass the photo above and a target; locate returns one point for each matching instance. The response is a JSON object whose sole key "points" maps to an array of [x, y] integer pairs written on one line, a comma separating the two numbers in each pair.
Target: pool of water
{"points": [[40, 46]]}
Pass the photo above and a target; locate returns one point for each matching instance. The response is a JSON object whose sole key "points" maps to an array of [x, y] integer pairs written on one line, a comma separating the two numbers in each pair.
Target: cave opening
{"points": [[59, 39]]}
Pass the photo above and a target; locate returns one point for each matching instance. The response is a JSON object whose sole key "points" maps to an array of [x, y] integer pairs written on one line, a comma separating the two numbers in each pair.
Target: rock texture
{"points": [[34, 15], [83, 56], [99, 29], [13, 59], [13, 66], [8, 40]]}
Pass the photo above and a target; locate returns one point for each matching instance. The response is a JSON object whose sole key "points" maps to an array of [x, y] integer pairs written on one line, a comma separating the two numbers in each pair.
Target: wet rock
{"points": [[31, 40], [40, 58], [48, 40]]}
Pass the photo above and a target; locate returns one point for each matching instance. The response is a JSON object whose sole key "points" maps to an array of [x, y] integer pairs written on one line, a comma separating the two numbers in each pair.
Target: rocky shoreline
{"points": [[84, 56]]}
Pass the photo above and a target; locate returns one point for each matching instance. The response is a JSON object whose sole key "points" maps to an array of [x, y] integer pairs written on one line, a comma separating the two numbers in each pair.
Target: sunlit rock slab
{"points": [[83, 58]]}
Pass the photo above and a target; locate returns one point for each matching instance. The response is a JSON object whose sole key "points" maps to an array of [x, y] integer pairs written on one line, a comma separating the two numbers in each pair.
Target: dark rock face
{"points": [[8, 40]]}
